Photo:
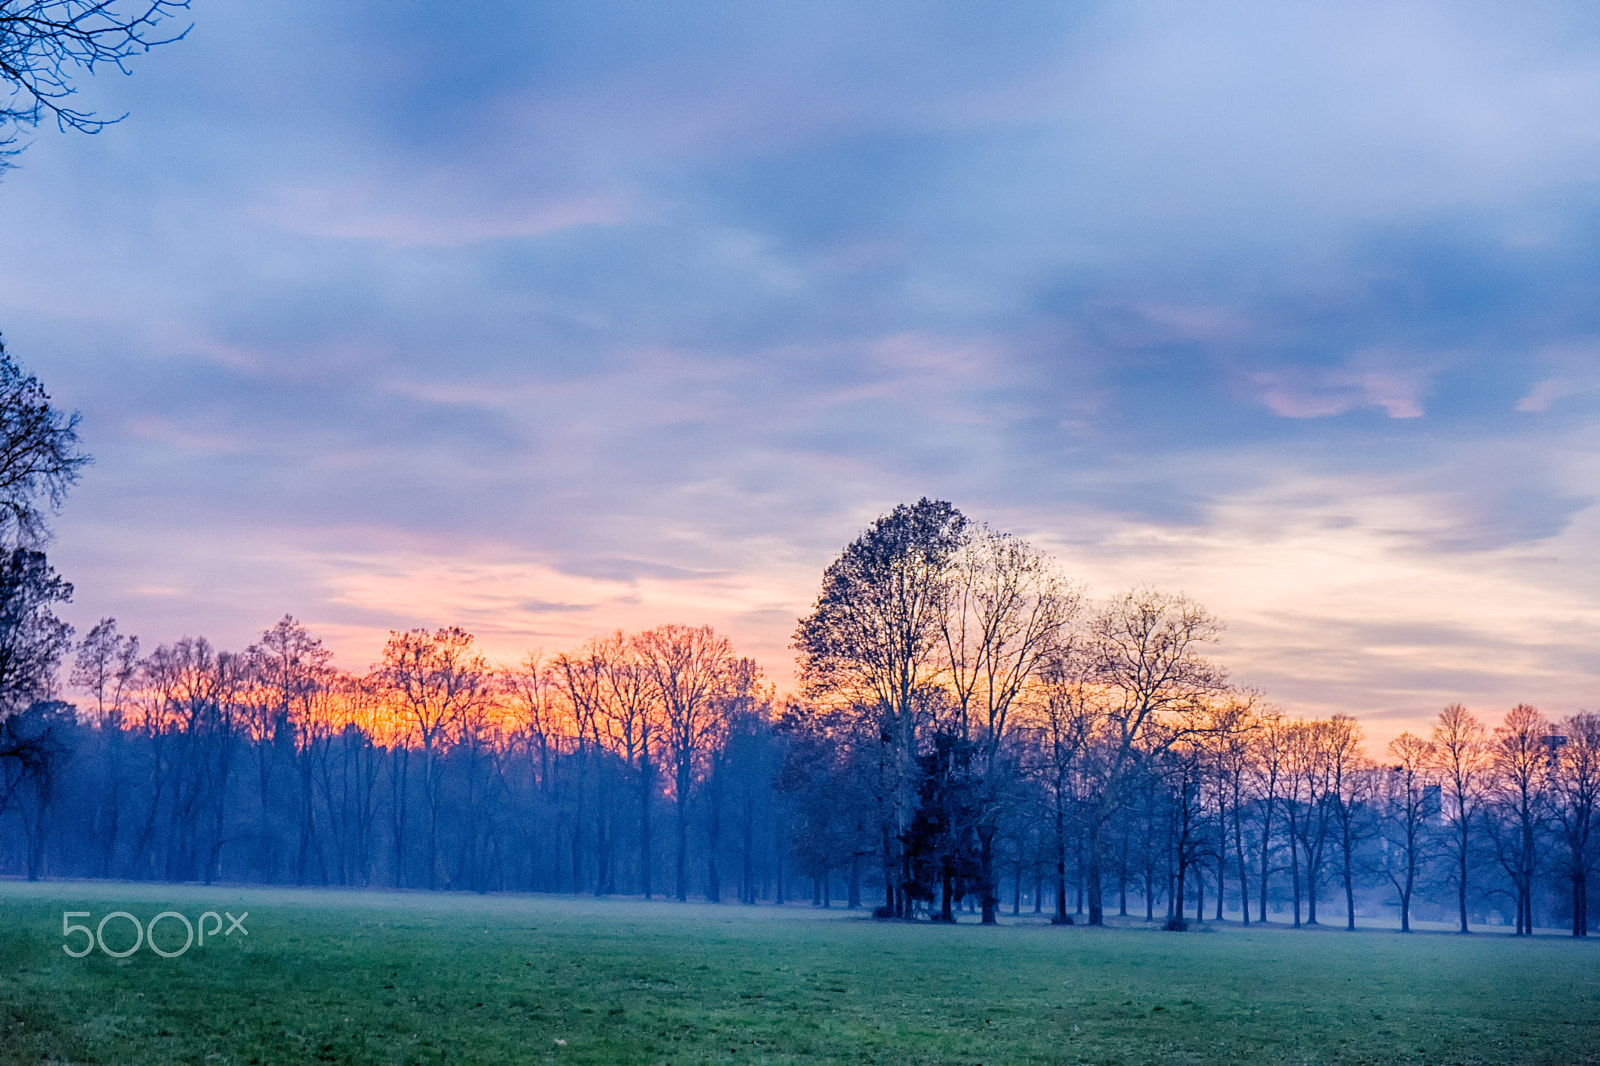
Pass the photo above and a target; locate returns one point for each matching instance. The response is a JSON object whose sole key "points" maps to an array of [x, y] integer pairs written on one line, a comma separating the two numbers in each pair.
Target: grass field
{"points": [[382, 978]]}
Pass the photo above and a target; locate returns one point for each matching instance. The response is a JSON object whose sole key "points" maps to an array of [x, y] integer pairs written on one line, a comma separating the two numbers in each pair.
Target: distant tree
{"points": [[1181, 770], [1269, 772], [1461, 761], [630, 714], [1519, 802], [1006, 617], [580, 676], [745, 709], [1576, 795], [874, 640], [288, 669], [436, 680], [1061, 739], [1145, 648], [106, 665], [1350, 793], [1323, 751], [1405, 797], [42, 42], [353, 709], [693, 670], [1228, 724], [530, 686], [193, 691], [1231, 745], [107, 661], [831, 783]]}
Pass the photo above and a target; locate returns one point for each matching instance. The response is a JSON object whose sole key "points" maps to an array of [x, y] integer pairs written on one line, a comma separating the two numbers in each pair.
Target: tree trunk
{"points": [[1060, 917], [1349, 894], [1294, 870], [1097, 913], [1244, 874], [683, 834], [1266, 855], [988, 889], [646, 793]]}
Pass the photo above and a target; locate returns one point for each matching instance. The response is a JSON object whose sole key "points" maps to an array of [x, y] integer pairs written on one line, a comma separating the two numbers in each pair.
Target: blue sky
{"points": [[544, 318]]}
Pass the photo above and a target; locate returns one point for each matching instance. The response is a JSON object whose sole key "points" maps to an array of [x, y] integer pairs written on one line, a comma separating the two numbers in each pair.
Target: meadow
{"points": [[332, 977]]}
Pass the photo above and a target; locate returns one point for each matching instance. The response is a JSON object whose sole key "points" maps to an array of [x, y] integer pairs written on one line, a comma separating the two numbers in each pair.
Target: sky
{"points": [[550, 318]]}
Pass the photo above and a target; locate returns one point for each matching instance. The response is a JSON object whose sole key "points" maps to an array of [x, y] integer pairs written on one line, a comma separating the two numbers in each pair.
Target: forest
{"points": [[973, 733]]}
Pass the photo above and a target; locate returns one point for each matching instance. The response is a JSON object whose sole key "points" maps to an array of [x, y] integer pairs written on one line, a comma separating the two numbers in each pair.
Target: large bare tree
{"points": [[874, 640]]}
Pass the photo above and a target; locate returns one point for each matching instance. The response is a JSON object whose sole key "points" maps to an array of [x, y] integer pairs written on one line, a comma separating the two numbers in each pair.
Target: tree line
{"points": [[431, 770], [969, 725], [995, 726]]}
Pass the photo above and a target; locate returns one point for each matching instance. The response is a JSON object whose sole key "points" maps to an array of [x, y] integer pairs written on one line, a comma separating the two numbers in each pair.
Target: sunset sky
{"points": [[548, 318]]}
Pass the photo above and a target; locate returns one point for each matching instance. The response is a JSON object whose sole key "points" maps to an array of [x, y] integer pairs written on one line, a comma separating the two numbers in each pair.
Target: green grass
{"points": [[373, 978]]}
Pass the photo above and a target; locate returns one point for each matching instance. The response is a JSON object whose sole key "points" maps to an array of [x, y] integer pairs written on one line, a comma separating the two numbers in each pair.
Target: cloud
{"points": [[1577, 372], [360, 212], [1393, 382]]}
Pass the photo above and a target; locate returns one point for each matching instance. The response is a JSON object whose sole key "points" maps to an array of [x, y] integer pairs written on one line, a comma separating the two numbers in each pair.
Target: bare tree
{"points": [[437, 678], [107, 663], [1146, 667], [1350, 795], [289, 668], [1230, 733], [1519, 794], [35, 746], [1269, 772], [1324, 749], [1461, 754], [531, 688], [362, 720], [1066, 725], [630, 717], [1405, 794], [193, 690], [32, 639], [43, 41], [1006, 616], [1576, 794], [692, 670], [581, 678], [745, 705]]}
